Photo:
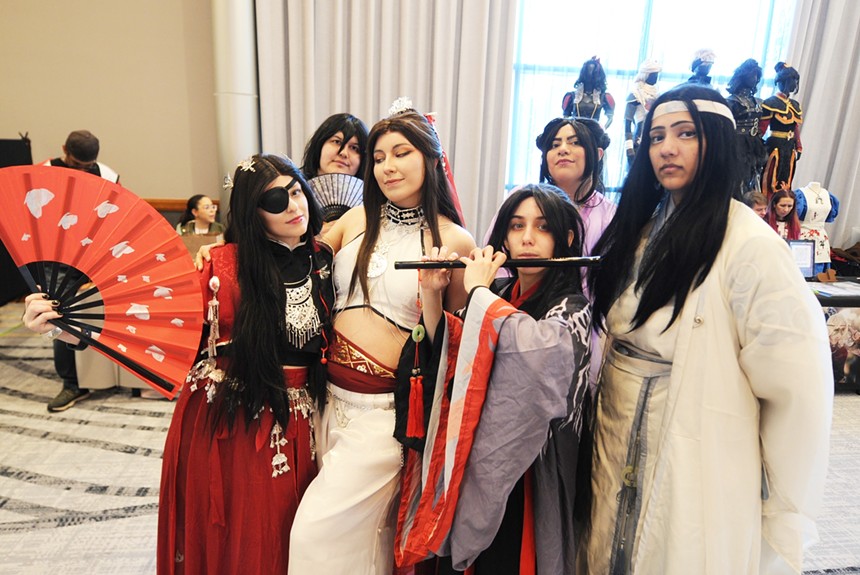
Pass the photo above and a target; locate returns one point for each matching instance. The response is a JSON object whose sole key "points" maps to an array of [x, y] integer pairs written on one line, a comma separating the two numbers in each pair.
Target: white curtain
{"points": [[452, 57], [826, 49]]}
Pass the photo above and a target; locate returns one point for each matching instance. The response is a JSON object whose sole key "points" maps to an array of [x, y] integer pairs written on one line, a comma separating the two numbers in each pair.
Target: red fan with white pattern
{"points": [[119, 270]]}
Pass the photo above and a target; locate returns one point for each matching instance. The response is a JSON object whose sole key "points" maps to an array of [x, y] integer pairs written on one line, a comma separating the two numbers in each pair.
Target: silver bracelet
{"points": [[52, 335]]}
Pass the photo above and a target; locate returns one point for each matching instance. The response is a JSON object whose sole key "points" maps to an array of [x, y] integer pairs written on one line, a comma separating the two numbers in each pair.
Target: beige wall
{"points": [[139, 75]]}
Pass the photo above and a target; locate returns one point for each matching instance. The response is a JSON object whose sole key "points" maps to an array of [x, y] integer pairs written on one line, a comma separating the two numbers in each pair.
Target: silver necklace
{"points": [[301, 317], [401, 221]]}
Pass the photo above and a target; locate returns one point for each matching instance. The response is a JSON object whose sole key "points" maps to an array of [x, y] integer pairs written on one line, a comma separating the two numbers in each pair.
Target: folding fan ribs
{"points": [[144, 308], [337, 193]]}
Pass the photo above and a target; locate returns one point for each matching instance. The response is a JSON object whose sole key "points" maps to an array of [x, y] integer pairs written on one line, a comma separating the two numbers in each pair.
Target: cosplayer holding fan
{"points": [[338, 146], [515, 508], [240, 449], [334, 163], [346, 521], [718, 359]]}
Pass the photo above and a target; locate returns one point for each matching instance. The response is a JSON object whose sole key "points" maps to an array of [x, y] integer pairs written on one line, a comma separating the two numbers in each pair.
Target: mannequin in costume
{"points": [[514, 507], [747, 110], [697, 295], [815, 207], [638, 103], [589, 94], [783, 116], [703, 60], [346, 521]]}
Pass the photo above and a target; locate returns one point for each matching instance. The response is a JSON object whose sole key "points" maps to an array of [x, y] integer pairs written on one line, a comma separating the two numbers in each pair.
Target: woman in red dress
{"points": [[240, 452]]}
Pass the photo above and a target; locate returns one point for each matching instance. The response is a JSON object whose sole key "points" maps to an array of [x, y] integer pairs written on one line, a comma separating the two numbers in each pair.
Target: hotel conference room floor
{"points": [[79, 489]]}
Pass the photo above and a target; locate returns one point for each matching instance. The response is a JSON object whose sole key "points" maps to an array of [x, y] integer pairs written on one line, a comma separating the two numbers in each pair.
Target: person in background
{"points": [[80, 152], [757, 202], [338, 146], [346, 521], [718, 359], [199, 217], [240, 451], [589, 96], [782, 215], [572, 158]]}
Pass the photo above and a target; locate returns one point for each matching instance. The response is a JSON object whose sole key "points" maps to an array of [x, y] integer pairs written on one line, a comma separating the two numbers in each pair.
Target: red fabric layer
{"points": [[220, 510], [424, 526], [357, 381], [528, 553]]}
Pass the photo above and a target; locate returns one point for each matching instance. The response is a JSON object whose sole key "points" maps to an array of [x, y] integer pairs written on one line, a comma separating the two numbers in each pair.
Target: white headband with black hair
{"points": [[703, 106]]}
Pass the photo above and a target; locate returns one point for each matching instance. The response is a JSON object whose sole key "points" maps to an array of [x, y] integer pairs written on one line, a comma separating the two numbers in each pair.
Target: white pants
{"points": [[346, 519]]}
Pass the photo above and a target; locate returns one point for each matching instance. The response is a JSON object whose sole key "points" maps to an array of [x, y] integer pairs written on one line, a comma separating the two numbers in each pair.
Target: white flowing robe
{"points": [[751, 385]]}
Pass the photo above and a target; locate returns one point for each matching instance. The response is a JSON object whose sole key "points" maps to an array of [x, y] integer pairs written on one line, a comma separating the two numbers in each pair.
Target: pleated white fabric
{"points": [[346, 520]]}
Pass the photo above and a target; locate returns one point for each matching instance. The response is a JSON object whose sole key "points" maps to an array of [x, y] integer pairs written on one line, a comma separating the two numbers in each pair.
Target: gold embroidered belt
{"points": [[353, 369], [784, 135]]}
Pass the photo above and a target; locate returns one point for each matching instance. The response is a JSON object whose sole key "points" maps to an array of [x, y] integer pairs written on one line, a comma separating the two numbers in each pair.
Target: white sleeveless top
{"points": [[393, 293]]}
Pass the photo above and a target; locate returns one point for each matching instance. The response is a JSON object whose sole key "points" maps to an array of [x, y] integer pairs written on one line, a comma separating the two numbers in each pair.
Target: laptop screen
{"points": [[804, 256]]}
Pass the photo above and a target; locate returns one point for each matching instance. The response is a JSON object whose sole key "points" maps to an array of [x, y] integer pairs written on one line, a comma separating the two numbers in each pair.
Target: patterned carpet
{"points": [[79, 489]]}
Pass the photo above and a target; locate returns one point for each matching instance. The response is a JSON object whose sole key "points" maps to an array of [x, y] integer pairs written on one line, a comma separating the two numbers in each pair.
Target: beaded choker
{"points": [[403, 216]]}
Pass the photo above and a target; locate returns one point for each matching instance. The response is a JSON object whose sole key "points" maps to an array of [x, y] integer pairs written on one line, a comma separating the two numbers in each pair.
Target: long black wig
{"points": [[561, 219], [255, 377], [681, 254]]}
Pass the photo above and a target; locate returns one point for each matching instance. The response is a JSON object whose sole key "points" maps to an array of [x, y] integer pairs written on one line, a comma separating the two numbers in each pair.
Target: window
{"points": [[555, 37]]}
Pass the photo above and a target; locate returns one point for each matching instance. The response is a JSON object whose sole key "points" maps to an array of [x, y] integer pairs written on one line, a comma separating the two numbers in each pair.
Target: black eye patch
{"points": [[276, 200]]}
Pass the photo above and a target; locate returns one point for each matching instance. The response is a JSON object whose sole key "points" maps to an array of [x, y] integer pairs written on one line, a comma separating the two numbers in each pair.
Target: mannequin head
{"points": [[787, 78], [592, 76], [746, 77], [649, 71], [702, 62]]}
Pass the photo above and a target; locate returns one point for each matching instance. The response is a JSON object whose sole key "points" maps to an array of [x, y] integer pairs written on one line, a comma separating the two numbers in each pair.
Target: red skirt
{"points": [[221, 510]]}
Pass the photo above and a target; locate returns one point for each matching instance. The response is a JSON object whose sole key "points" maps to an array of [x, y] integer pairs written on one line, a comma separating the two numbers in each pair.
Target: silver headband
{"points": [[702, 106]]}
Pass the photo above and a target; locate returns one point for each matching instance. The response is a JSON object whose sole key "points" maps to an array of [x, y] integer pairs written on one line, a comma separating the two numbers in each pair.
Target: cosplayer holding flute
{"points": [[514, 505]]}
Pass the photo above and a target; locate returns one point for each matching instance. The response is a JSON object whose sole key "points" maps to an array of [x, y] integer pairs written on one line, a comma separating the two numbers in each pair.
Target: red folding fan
{"points": [[118, 268]]}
